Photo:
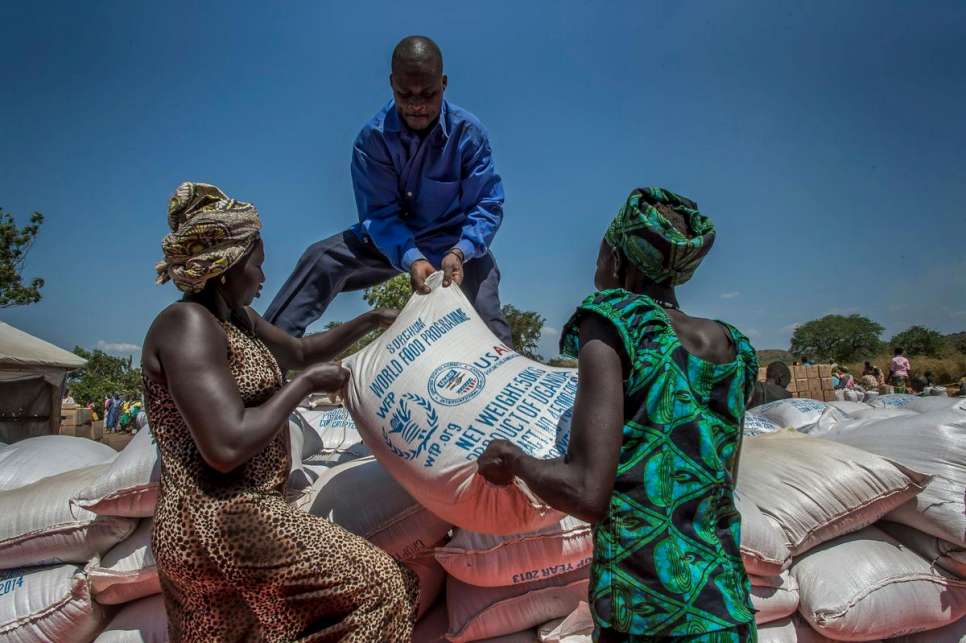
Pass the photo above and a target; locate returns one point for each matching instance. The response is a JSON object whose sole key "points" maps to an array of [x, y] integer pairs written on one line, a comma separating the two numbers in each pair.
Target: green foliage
{"points": [[390, 294], [837, 337], [563, 362], [526, 327], [918, 340], [360, 343], [957, 343], [103, 375], [15, 243]]}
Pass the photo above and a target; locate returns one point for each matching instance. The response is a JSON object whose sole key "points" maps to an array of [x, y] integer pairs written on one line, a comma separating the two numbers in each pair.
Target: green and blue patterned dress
{"points": [[666, 555]]}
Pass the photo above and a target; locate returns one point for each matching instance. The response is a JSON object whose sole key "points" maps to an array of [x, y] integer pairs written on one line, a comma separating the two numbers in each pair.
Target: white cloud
{"points": [[959, 313], [753, 332], [117, 347], [549, 330], [730, 295], [791, 327]]}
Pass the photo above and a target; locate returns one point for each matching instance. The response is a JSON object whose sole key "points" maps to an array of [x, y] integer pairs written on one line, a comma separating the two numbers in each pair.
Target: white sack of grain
{"points": [[128, 571], [48, 604], [763, 548], [30, 460], [435, 389], [866, 585], [40, 526], [130, 486], [486, 612], [485, 560], [774, 597], [363, 498], [336, 439], [949, 556], [143, 621], [816, 489]]}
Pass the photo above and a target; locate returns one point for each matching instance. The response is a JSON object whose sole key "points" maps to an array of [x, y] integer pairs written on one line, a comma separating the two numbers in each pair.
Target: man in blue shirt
{"points": [[428, 198]]}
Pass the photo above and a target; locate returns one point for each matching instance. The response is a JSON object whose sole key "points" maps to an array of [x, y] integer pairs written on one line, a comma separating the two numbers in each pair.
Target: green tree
{"points": [[957, 342], [390, 294], [103, 375], [844, 339], [15, 243], [525, 327], [918, 340]]}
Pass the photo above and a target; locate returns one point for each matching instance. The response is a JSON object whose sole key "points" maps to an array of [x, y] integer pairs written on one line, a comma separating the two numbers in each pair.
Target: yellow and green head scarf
{"points": [[652, 244], [210, 232]]}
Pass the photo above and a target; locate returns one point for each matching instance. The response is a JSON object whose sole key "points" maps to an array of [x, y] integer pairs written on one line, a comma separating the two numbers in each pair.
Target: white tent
{"points": [[32, 375]]}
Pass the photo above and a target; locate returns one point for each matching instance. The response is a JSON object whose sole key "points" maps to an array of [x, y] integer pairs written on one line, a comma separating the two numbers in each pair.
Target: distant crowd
{"points": [[898, 379]]}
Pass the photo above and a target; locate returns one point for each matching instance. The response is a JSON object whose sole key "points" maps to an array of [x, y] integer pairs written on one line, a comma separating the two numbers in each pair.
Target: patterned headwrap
{"points": [[652, 244], [210, 232]]}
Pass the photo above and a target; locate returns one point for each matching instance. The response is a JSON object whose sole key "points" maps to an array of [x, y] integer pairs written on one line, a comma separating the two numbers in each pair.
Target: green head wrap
{"points": [[652, 244]]}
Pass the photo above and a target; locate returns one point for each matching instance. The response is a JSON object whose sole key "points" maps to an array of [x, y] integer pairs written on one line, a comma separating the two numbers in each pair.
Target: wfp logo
{"points": [[411, 426], [455, 383]]}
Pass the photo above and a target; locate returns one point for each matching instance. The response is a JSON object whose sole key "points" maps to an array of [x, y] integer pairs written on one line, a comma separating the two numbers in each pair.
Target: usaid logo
{"points": [[455, 383]]}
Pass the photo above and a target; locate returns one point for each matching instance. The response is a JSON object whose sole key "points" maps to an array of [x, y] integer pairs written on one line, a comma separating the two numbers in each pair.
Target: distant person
{"points": [[428, 198], [806, 361], [899, 369], [775, 387], [872, 378], [962, 387], [235, 561], [113, 412], [68, 399], [918, 385]]}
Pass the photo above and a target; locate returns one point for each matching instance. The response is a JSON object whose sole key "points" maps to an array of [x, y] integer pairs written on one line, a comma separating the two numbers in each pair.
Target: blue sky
{"points": [[826, 140]]}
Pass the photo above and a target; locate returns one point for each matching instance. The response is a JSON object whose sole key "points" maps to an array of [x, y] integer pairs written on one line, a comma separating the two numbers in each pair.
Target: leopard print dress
{"points": [[237, 563]]}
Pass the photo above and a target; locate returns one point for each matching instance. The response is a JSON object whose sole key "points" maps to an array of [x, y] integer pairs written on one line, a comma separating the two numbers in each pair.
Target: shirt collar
{"points": [[392, 122]]}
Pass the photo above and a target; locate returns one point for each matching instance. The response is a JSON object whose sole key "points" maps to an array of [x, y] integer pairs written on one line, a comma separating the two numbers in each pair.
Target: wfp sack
{"points": [[758, 424], [866, 585], [143, 621], [129, 487], [934, 550], [955, 633], [763, 548], [816, 489], [486, 612], [41, 527], [32, 459], [128, 571], [496, 561], [47, 604], [435, 389], [361, 497], [773, 597], [334, 436], [801, 414], [933, 443]]}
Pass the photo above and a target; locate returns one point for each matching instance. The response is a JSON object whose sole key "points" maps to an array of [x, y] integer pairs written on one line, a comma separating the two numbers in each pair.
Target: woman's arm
{"points": [[298, 353], [192, 350], [581, 483]]}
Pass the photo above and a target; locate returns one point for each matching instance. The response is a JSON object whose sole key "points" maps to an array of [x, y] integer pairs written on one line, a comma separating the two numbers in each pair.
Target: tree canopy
{"points": [[15, 243], [837, 337], [102, 376], [918, 340]]}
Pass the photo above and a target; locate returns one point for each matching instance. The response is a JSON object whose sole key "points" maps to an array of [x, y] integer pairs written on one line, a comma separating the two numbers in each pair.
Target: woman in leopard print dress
{"points": [[236, 562]]}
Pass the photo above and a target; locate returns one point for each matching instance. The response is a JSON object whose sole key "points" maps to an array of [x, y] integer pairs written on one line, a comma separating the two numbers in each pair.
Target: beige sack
{"points": [[478, 613], [774, 597], [866, 585], [128, 571], [817, 489], [143, 621], [496, 561], [363, 498], [48, 604], [763, 548], [937, 551], [39, 525], [129, 487]]}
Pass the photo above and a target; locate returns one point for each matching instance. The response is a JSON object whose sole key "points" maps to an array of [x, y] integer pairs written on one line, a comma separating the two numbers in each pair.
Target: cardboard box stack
{"points": [[809, 381], [76, 420]]}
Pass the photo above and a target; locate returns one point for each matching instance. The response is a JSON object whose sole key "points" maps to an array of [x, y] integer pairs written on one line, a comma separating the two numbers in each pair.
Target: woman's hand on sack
{"points": [[498, 462], [326, 377], [383, 317]]}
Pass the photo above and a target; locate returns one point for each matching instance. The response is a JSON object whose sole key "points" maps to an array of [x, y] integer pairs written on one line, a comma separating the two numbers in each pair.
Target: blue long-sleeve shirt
{"points": [[418, 197]]}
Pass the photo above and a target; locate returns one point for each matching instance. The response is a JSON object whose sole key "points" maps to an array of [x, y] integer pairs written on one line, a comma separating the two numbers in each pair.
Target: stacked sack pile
{"points": [[853, 522], [869, 501]]}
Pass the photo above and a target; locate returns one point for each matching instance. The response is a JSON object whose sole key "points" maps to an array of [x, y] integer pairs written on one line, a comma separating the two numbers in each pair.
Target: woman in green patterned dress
{"points": [[655, 437]]}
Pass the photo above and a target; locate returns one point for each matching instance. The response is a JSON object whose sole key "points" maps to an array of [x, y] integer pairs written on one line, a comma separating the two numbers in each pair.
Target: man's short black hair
{"points": [[779, 373], [898, 350], [418, 50]]}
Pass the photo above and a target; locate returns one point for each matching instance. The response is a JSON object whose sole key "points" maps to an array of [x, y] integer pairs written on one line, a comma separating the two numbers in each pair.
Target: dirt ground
{"points": [[116, 441]]}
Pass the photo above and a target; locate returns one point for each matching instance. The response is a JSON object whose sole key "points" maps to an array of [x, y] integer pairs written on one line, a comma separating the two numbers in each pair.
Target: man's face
{"points": [[418, 91]]}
